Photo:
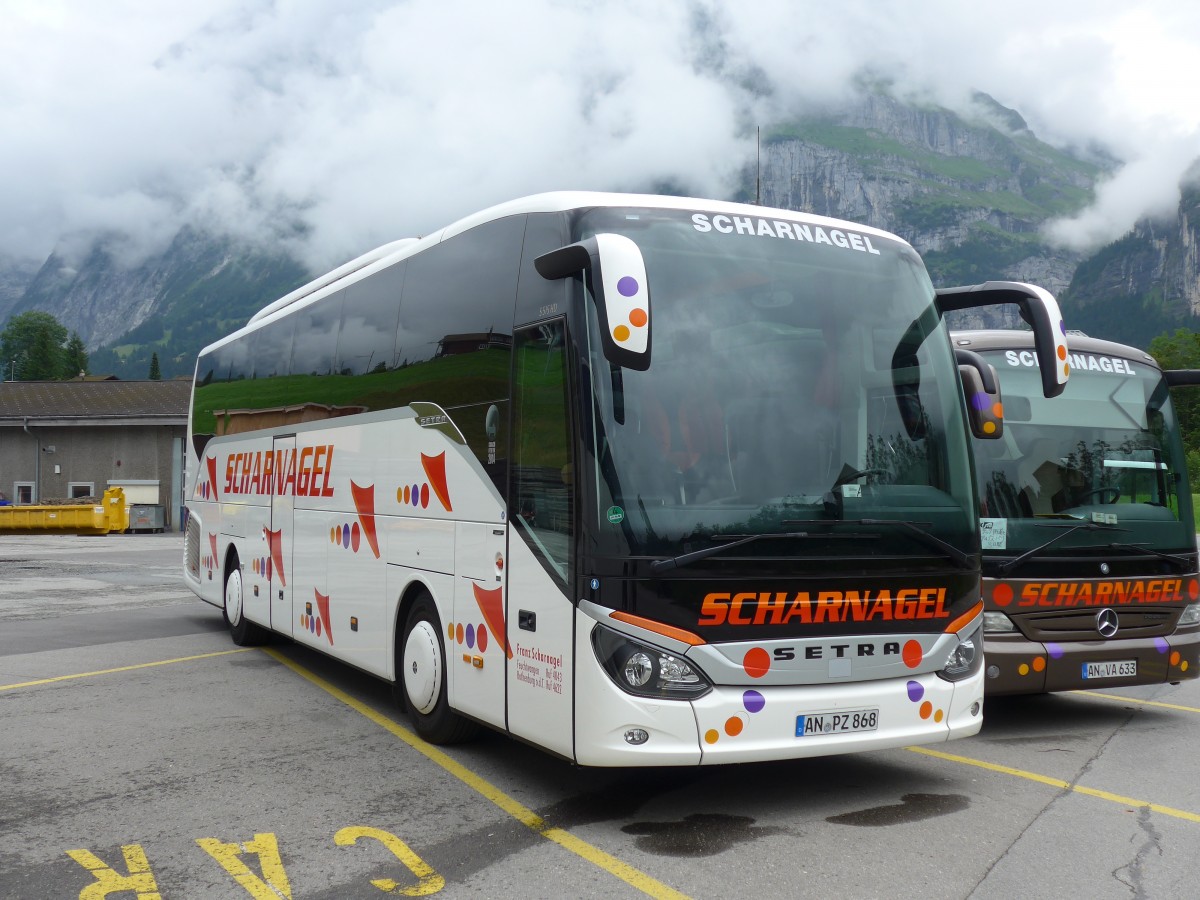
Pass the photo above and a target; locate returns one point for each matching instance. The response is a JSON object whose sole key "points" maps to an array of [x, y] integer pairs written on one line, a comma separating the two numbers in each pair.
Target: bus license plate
{"points": [[841, 722], [1123, 668]]}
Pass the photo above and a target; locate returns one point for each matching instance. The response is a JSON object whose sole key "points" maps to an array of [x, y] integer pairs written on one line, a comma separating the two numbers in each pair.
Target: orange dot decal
{"points": [[1175, 657], [1039, 664], [638, 318], [926, 710], [912, 654], [1062, 352], [621, 333], [711, 736], [756, 662], [998, 410], [733, 726], [458, 633]]}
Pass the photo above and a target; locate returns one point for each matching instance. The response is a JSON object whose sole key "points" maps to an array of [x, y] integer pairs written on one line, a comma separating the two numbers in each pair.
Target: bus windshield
{"points": [[795, 386], [1108, 451]]}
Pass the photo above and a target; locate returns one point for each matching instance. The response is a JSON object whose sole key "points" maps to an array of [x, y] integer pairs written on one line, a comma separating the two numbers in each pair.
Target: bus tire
{"points": [[421, 678], [244, 632]]}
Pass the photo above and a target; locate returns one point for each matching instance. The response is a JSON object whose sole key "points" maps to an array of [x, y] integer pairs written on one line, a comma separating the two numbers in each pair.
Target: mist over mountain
{"points": [[972, 191]]}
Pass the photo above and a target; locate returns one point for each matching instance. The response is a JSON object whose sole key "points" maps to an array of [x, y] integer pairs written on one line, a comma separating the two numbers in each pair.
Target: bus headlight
{"points": [[1191, 614], [966, 659], [647, 671], [997, 621]]}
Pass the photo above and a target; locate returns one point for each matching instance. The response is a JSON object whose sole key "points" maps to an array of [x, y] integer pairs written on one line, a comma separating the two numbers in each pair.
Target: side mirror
{"points": [[619, 286], [981, 388], [1038, 308], [1182, 377]]}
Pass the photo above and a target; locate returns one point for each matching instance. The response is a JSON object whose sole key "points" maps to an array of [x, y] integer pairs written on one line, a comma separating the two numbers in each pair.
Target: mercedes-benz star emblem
{"points": [[1106, 622]]}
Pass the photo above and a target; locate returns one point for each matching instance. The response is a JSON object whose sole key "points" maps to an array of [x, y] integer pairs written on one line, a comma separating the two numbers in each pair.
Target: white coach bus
{"points": [[640, 480]]}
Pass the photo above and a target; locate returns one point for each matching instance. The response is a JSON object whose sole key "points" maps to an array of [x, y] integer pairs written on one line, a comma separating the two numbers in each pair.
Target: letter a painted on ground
{"points": [[274, 882]]}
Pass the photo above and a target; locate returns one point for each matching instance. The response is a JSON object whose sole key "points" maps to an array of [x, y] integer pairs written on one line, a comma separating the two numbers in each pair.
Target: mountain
{"points": [[970, 191]]}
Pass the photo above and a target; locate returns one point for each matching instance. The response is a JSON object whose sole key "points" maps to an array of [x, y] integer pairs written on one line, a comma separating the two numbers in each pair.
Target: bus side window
{"points": [[543, 471]]}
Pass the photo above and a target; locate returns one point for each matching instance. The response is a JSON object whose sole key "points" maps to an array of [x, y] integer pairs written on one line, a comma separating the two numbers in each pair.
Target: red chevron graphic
{"points": [[212, 542], [323, 607], [211, 462], [435, 471], [364, 502], [491, 604], [275, 542]]}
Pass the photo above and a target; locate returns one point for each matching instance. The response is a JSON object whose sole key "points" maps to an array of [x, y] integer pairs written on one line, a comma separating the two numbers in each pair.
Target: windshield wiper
{"points": [[965, 560], [734, 540], [1005, 568], [1182, 561]]}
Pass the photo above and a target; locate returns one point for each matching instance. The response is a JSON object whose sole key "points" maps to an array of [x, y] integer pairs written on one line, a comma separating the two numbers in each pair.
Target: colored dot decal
{"points": [[912, 654], [1023, 669], [998, 410], [354, 537], [345, 535], [711, 736], [470, 637], [1161, 645], [424, 496], [916, 691], [753, 701], [989, 427], [458, 632], [733, 726], [627, 286], [1175, 658], [407, 498], [303, 620], [318, 627], [450, 632], [621, 332], [482, 638], [1183, 666], [1002, 595], [939, 715], [926, 710], [1039, 664], [980, 401], [1056, 651], [1062, 352], [1194, 589], [638, 318], [416, 495], [756, 662]]}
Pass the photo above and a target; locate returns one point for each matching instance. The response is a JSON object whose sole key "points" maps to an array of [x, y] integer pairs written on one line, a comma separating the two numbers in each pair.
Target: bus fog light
{"points": [[1191, 614], [975, 707], [993, 671], [647, 671], [637, 736]]}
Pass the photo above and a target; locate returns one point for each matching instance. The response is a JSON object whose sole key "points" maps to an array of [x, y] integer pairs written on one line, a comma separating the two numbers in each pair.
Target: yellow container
{"points": [[109, 515]]}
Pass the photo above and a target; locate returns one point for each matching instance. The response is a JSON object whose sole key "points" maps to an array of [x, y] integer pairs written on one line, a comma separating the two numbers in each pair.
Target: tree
{"points": [[155, 372], [75, 357], [31, 347], [1182, 351]]}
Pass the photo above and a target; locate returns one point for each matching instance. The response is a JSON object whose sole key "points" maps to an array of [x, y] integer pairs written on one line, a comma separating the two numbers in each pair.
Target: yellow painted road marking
{"points": [[149, 665], [1059, 783], [527, 817], [1136, 700]]}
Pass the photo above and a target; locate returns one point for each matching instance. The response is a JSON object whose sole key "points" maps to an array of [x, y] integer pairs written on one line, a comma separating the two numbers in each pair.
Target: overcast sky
{"points": [[358, 122]]}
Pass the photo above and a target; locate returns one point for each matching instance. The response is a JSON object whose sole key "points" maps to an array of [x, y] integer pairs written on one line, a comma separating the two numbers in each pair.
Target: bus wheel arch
{"points": [[243, 632], [421, 674]]}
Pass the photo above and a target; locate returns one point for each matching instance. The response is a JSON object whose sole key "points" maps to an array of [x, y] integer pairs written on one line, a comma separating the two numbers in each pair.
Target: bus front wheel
{"points": [[422, 674], [244, 632]]}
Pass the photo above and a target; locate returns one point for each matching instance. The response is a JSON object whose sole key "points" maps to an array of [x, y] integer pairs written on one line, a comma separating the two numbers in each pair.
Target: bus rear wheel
{"points": [[421, 678], [244, 632]]}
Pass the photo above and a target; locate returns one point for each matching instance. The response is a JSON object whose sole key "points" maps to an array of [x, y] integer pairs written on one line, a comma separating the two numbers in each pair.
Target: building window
{"points": [[77, 489], [23, 493]]}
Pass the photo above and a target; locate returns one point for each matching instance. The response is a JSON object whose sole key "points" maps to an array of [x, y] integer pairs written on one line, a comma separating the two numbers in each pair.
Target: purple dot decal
{"points": [[346, 535], [1161, 645], [312, 625], [916, 691], [753, 701], [981, 401], [1062, 326], [627, 286], [470, 636], [1055, 651], [416, 495]]}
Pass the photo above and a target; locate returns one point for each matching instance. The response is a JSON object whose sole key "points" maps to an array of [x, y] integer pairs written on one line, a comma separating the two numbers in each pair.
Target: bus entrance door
{"points": [[279, 539], [475, 656]]}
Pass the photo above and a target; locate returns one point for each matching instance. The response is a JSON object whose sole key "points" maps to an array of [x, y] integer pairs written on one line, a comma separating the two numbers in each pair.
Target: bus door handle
{"points": [[526, 620]]}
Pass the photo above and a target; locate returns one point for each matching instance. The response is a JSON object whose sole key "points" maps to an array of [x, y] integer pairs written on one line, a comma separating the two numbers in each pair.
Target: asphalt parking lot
{"points": [[142, 754]]}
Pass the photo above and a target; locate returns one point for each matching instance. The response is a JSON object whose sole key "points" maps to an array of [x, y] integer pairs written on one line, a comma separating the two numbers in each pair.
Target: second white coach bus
{"points": [[640, 480]]}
